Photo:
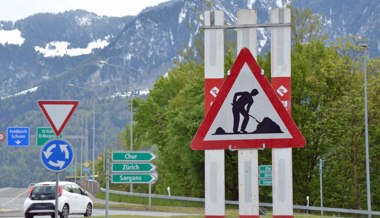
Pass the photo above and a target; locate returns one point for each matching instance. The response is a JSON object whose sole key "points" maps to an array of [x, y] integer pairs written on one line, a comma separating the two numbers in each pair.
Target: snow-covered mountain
{"points": [[79, 55], [135, 51], [348, 18], [38, 47]]}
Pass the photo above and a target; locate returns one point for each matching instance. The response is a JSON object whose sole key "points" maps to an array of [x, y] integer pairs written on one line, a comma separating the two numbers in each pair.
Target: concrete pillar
{"points": [[248, 158], [282, 175], [214, 74]]}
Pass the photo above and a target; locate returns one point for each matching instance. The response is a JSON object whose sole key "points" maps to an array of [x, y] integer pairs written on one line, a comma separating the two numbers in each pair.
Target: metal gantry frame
{"points": [[212, 22], [364, 46], [247, 26]]}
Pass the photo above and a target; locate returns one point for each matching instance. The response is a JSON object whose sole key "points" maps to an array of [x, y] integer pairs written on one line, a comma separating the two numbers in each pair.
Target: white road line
{"points": [[4, 189], [13, 199]]}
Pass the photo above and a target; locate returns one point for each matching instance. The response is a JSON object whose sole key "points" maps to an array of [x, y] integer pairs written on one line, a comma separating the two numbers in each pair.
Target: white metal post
{"points": [[81, 154], [321, 183], [86, 146], [76, 167], [248, 158], [93, 146], [281, 157], [150, 196], [131, 133], [367, 167], [107, 182], [214, 159]]}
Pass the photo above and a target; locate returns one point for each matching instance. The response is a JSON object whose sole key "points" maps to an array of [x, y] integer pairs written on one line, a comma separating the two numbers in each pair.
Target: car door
{"points": [[72, 198], [80, 201]]}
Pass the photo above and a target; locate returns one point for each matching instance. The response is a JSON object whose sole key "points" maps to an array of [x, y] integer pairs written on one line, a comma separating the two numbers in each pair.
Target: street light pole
{"points": [[369, 208], [93, 140], [93, 129], [131, 134], [321, 183], [131, 128]]}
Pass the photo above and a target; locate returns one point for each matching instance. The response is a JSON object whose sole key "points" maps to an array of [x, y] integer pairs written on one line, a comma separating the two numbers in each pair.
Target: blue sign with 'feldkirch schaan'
{"points": [[18, 136], [57, 155]]}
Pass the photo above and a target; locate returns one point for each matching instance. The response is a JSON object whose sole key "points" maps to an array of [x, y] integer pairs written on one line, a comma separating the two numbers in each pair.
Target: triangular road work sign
{"points": [[58, 113], [247, 113]]}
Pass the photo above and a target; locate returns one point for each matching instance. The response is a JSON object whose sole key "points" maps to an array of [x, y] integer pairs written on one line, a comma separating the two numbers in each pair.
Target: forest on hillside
{"points": [[327, 105]]}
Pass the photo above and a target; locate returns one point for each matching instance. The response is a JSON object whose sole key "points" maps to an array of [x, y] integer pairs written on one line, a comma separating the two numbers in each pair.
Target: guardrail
{"points": [[269, 205]]}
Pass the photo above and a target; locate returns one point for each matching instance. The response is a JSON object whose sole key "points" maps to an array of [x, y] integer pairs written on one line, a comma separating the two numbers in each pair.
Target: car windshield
{"points": [[44, 192], [46, 189]]}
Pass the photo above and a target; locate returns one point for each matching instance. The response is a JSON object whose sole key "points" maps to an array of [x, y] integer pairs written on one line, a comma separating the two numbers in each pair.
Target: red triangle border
{"points": [[245, 57], [58, 130]]}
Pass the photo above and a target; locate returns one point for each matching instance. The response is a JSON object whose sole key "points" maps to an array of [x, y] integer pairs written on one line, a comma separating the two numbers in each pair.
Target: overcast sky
{"points": [[18, 9]]}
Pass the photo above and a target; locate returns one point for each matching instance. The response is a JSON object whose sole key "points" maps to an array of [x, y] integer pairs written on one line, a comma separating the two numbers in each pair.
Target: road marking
{"points": [[4, 189], [13, 199]]}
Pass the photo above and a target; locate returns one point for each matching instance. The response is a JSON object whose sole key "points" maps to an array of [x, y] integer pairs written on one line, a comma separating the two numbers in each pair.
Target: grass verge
{"points": [[193, 209]]}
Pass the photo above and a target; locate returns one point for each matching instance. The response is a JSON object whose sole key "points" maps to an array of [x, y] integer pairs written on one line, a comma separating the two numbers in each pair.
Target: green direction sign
{"points": [[132, 178], [265, 168], [265, 182], [265, 175], [133, 167], [43, 135], [132, 156]]}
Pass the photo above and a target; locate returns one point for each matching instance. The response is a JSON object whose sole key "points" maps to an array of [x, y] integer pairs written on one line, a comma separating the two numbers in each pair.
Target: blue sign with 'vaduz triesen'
{"points": [[18, 136]]}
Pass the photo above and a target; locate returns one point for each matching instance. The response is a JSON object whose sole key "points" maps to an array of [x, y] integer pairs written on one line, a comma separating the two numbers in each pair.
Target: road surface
{"points": [[12, 200]]}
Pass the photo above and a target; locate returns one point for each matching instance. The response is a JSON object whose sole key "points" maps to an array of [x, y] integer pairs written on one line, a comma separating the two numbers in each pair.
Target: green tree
{"points": [[155, 121], [374, 129], [327, 106], [306, 26]]}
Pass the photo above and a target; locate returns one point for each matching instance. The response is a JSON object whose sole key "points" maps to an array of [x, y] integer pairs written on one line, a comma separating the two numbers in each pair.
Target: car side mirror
{"points": [[84, 192]]}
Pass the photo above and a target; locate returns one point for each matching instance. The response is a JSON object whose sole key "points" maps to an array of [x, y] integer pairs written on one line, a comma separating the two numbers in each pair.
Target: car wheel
{"points": [[65, 212], [28, 215], [88, 210]]}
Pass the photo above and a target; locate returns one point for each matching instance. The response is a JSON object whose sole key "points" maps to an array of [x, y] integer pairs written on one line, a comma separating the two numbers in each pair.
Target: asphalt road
{"points": [[12, 200]]}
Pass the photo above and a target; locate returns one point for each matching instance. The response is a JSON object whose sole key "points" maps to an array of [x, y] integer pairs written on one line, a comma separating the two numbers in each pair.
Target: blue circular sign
{"points": [[57, 155]]}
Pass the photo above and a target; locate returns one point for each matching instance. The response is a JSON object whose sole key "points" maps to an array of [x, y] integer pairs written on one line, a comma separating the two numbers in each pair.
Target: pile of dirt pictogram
{"points": [[265, 126]]}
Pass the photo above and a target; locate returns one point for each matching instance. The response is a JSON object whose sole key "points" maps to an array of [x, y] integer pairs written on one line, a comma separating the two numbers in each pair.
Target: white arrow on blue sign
{"points": [[18, 136], [57, 155]]}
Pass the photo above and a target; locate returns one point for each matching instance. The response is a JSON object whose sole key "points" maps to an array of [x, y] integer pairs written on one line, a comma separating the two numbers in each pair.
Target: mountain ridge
{"points": [[141, 49]]}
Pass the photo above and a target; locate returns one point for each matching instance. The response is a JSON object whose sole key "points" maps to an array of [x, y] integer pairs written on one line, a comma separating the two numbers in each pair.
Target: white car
{"points": [[72, 200]]}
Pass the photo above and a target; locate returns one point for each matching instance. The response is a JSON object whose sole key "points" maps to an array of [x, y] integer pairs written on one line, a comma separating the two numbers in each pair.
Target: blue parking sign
{"points": [[18, 136]]}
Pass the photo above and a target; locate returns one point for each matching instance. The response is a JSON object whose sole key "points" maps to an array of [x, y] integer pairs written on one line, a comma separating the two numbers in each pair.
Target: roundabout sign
{"points": [[57, 155]]}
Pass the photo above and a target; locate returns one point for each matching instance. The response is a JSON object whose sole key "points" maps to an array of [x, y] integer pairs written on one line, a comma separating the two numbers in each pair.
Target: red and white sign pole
{"points": [[214, 77], [248, 158], [282, 175]]}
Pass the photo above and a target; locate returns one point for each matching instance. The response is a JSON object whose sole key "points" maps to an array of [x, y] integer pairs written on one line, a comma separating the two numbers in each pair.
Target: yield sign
{"points": [[247, 113], [58, 113]]}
